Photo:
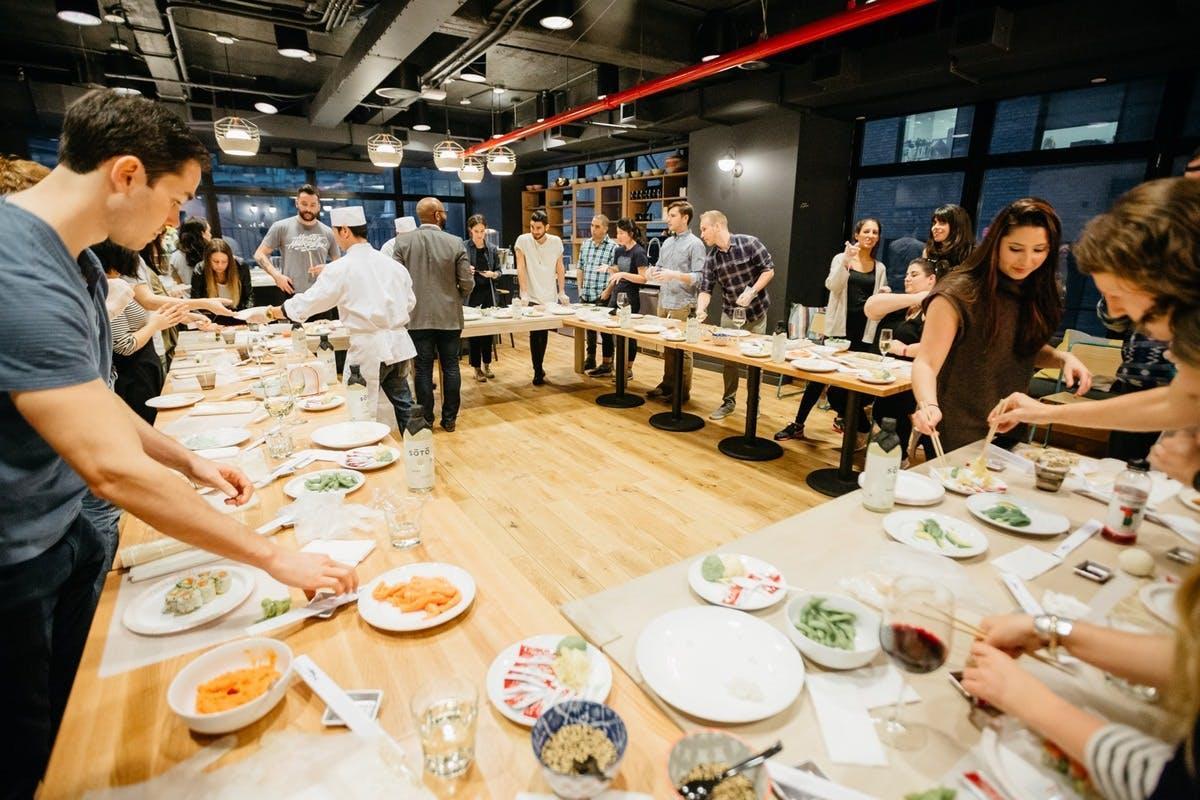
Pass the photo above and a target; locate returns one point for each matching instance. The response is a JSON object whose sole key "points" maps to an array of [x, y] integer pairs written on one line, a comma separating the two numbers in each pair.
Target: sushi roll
{"points": [[221, 581], [187, 584], [182, 601], [206, 588]]}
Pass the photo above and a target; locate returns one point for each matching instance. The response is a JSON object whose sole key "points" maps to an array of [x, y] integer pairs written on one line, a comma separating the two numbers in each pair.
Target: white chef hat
{"points": [[405, 225], [347, 217]]}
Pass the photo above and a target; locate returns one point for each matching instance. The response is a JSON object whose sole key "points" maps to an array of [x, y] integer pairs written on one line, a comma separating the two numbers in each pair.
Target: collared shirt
{"points": [[736, 270], [593, 258], [682, 252]]}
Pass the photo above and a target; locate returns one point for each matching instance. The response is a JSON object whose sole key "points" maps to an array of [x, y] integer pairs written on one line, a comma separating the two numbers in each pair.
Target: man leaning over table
{"points": [[374, 297], [595, 257], [124, 163], [740, 266], [678, 273]]}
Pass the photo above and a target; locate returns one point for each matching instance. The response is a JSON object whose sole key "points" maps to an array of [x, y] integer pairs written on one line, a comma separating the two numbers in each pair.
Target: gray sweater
{"points": [[441, 277]]}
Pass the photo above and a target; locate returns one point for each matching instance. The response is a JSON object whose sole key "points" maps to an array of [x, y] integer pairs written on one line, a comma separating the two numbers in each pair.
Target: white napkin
{"points": [[876, 687], [346, 551], [1026, 562], [185, 385], [812, 785], [215, 407], [846, 727]]}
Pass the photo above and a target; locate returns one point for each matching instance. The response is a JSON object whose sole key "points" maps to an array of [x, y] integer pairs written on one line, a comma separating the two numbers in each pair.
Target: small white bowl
{"points": [[866, 632], [838, 345], [241, 654], [713, 746]]}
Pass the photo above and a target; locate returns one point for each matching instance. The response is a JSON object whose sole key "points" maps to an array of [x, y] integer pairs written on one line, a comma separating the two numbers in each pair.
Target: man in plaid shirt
{"points": [[741, 267], [595, 257]]}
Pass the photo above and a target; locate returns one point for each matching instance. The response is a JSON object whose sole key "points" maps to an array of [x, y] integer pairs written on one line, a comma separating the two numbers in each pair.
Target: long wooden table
{"points": [[119, 730]]}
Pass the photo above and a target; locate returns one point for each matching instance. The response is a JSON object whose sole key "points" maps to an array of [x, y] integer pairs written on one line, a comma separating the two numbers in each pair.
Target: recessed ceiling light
{"points": [[471, 77], [497, 90], [223, 37], [751, 66], [466, 101], [118, 44], [497, 135], [127, 91], [476, 71], [710, 57], [115, 14], [266, 108], [292, 43], [78, 12], [556, 15], [421, 126], [860, 117], [1099, 79]]}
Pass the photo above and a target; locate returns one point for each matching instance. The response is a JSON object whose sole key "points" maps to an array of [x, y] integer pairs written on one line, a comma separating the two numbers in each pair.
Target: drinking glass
{"points": [[279, 443], [278, 396], [402, 515], [445, 710], [738, 317], [885, 341], [623, 301], [915, 631]]}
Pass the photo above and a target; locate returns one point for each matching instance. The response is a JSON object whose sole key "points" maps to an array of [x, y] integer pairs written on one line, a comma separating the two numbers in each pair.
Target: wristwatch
{"points": [[1052, 630]]}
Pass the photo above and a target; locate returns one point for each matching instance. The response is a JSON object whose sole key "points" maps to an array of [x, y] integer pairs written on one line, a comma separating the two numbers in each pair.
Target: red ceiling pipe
{"points": [[797, 37]]}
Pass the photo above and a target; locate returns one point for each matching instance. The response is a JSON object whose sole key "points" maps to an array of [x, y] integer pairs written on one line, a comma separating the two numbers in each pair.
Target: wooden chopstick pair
{"points": [[975, 633]]}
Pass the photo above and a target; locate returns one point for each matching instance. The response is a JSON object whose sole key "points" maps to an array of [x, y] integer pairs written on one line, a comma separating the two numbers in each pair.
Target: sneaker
{"points": [[839, 425], [790, 431], [601, 371], [658, 391], [448, 425], [722, 411], [479, 376], [539, 379], [487, 371], [628, 375], [589, 364]]}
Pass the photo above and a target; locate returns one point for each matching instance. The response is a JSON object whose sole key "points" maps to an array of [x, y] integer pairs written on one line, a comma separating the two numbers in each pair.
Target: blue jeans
{"points": [[442, 345], [46, 608], [393, 382], [106, 519]]}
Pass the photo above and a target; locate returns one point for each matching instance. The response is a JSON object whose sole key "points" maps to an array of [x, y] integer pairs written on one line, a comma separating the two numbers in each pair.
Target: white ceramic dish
{"points": [[239, 654], [145, 615], [866, 632], [1041, 522], [1190, 498], [320, 403], [904, 525], [734, 333], [296, 486], [765, 589], [562, 311], [177, 400], [348, 435], [673, 335], [649, 327], [962, 481], [876, 376], [915, 489], [755, 350], [814, 365], [720, 665], [598, 686], [1159, 600], [217, 437], [370, 458], [385, 616]]}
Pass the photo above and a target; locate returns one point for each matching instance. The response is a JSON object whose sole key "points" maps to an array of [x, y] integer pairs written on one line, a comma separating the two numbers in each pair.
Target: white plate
{"points": [[178, 400], [311, 404], [869, 376], [959, 487], [842, 345], [217, 437], [736, 333], [1190, 498], [562, 311], [673, 335], [1041, 523], [370, 453], [754, 351], [146, 616], [649, 327], [238, 654], [743, 599], [636, 316], [902, 526], [471, 314], [1014, 759], [387, 617], [1159, 600], [597, 689], [720, 665], [295, 487], [503, 313], [814, 365], [914, 489], [347, 435]]}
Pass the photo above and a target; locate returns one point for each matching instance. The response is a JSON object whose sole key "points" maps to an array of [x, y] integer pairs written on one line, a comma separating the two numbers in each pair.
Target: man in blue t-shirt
{"points": [[125, 165]]}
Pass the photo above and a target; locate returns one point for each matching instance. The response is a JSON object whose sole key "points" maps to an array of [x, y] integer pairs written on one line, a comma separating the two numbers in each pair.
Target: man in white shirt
{"points": [[374, 296], [542, 279]]}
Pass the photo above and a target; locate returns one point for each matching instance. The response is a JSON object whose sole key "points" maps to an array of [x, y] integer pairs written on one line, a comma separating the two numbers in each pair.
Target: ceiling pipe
{"points": [[468, 51], [797, 37]]}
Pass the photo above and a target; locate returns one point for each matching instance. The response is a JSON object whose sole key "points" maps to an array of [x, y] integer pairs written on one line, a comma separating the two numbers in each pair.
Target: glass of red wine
{"points": [[915, 631]]}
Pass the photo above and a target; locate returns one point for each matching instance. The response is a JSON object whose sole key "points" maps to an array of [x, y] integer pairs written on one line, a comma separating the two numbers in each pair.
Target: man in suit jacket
{"points": [[441, 277]]}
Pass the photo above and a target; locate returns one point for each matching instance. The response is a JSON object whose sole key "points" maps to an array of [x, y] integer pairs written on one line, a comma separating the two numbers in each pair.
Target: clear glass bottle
{"points": [[356, 395], [299, 340], [692, 328], [882, 467], [327, 360], [779, 343], [1131, 491]]}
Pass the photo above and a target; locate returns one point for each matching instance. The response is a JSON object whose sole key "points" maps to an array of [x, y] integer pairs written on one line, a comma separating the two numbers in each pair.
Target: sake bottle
{"points": [[882, 468], [779, 343], [327, 361], [357, 396], [418, 454]]}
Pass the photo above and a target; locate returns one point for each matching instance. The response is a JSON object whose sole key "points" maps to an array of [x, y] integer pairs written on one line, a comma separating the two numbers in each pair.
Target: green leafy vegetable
{"points": [[827, 626], [930, 530], [1007, 513], [331, 482], [940, 793]]}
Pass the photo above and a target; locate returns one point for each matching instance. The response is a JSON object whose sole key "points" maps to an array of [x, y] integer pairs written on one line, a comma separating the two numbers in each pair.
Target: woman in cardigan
{"points": [[485, 266]]}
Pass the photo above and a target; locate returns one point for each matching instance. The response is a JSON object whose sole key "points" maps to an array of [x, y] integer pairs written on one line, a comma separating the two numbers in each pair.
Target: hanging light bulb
{"points": [[501, 161], [448, 156], [85, 13], [471, 170], [237, 136], [385, 150]]}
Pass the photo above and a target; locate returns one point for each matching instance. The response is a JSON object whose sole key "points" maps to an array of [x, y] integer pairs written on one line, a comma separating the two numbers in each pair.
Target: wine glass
{"points": [[885, 341], [622, 301], [278, 396], [915, 631], [738, 317]]}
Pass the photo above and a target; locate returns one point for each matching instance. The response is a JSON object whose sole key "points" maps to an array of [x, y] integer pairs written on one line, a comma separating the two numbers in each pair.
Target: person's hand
{"points": [[315, 269], [1018, 408], [579, 277], [885, 289], [120, 294], [213, 305], [746, 296], [850, 255], [1075, 374], [225, 478], [310, 572], [284, 283], [168, 316], [616, 277], [256, 315], [207, 326], [563, 299], [611, 268], [472, 270], [925, 420], [1011, 633], [1177, 454], [995, 678]]}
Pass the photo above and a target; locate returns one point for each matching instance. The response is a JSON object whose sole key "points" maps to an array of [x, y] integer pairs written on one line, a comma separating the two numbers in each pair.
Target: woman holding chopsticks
{"points": [[988, 325]]}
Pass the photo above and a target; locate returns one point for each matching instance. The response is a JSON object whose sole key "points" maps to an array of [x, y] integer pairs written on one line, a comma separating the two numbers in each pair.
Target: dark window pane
{"points": [[424, 181], [903, 205], [380, 214], [927, 136], [603, 169], [881, 138], [289, 180], [654, 160], [355, 182], [1119, 112], [1016, 124], [456, 216], [44, 151], [246, 218]]}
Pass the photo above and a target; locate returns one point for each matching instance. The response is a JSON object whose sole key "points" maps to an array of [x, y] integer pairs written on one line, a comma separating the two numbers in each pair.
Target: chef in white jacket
{"points": [[374, 297]]}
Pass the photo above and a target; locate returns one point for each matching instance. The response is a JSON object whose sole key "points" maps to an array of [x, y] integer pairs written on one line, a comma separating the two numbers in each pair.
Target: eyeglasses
{"points": [[1191, 168]]}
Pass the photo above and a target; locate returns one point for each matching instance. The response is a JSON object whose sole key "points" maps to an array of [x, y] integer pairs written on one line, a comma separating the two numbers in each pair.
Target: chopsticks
{"points": [[980, 464], [965, 627]]}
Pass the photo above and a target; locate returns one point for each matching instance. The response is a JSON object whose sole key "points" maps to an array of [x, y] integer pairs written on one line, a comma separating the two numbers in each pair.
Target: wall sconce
{"points": [[729, 163]]}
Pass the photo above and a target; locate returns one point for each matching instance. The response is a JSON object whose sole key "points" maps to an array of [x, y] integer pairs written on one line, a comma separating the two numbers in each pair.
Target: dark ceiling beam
{"points": [[664, 49], [394, 30], [152, 37]]}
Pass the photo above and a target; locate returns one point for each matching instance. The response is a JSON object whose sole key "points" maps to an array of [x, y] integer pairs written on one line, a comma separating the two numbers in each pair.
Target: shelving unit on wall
{"points": [[558, 203], [649, 196]]}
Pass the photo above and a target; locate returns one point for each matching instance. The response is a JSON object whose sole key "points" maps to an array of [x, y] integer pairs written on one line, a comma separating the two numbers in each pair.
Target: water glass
{"points": [[207, 379], [402, 515], [229, 335], [279, 443], [738, 317], [885, 341], [278, 396], [445, 711]]}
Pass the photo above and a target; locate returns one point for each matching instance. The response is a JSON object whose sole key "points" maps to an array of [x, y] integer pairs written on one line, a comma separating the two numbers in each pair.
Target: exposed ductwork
{"points": [[772, 46], [471, 50]]}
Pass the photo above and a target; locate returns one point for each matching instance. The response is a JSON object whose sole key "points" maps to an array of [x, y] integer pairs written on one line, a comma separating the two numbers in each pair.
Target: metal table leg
{"points": [[675, 420], [620, 398], [840, 481], [749, 446]]}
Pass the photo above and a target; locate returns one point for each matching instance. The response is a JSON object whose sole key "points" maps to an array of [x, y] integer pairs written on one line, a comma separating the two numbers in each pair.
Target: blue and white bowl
{"points": [[576, 712]]}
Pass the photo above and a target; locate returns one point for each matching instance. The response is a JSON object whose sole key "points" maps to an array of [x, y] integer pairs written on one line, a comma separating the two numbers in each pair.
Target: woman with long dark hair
{"points": [[951, 237], [988, 325], [221, 277], [194, 236], [628, 273], [485, 266]]}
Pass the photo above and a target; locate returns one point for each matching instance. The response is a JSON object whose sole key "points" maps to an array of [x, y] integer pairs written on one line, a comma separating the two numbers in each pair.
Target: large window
{"points": [[245, 219], [456, 215], [903, 204], [425, 181], [928, 136], [44, 151], [233, 174], [1097, 115], [355, 182]]}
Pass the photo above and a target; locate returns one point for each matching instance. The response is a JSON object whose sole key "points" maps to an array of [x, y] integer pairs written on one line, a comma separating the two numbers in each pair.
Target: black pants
{"points": [[480, 349], [901, 407], [46, 608], [608, 347], [591, 346], [393, 382], [442, 346], [537, 350], [139, 377]]}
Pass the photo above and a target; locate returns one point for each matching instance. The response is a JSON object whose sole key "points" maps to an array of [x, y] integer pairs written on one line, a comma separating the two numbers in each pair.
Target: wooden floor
{"points": [[581, 498]]}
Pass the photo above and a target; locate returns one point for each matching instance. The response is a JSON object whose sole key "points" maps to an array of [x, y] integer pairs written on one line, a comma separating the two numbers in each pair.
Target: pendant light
{"points": [[385, 150], [420, 117], [501, 161], [448, 154], [78, 12], [471, 170], [236, 136]]}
